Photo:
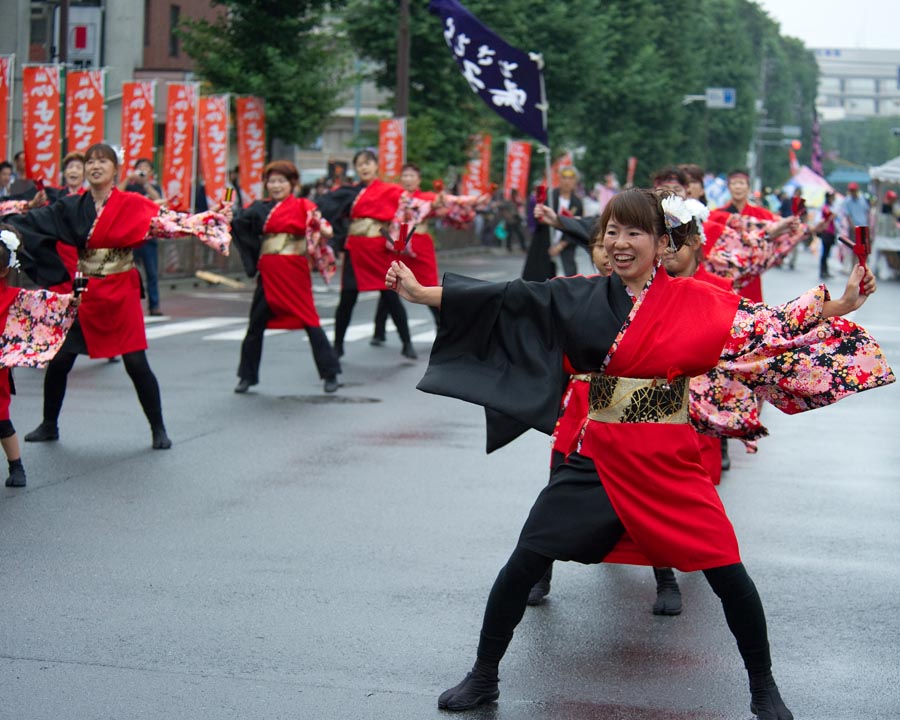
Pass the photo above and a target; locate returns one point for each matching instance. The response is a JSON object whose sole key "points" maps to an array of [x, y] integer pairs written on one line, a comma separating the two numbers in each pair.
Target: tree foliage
{"points": [[616, 72], [289, 53]]}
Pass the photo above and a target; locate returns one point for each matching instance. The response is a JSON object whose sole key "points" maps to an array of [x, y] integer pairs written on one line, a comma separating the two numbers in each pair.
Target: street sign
{"points": [[790, 130], [721, 98]]}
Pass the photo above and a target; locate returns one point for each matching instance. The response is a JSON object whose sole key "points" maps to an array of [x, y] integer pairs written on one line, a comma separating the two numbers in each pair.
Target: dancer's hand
{"points": [[853, 299], [400, 278], [545, 214]]}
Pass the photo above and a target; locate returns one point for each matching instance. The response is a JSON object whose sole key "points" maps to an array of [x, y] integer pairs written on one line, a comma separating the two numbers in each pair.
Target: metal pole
{"points": [[401, 100], [63, 31]]}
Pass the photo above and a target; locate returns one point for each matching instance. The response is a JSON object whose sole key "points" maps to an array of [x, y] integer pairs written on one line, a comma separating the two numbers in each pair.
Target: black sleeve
{"points": [[41, 229], [578, 229], [335, 208], [246, 231]]}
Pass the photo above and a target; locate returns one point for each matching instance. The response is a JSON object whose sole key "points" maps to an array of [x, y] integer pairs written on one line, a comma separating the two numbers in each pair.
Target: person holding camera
{"points": [[140, 181]]}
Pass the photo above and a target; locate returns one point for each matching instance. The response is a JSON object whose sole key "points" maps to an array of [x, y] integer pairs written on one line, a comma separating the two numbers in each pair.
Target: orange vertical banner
{"points": [[41, 122], [518, 166], [251, 138], [178, 153], [84, 109], [477, 176], [391, 148], [137, 123], [6, 63], [213, 141]]}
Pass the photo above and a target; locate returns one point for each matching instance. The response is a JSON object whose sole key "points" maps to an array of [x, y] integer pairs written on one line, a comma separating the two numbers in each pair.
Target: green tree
{"points": [[286, 52]]}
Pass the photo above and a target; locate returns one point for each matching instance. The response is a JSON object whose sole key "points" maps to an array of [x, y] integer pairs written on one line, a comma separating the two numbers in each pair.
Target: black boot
{"points": [[43, 433], [409, 351], [479, 687], [726, 461], [541, 589], [16, 474], [765, 700], [668, 595], [161, 439]]}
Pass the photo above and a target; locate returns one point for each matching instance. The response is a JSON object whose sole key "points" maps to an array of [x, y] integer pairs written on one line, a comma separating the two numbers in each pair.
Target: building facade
{"points": [[857, 83]]}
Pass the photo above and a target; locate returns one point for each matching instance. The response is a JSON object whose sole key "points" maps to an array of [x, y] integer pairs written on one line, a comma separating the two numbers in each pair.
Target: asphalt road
{"points": [[297, 555]]}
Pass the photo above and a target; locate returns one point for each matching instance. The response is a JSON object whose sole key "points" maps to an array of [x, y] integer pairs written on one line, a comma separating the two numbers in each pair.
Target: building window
{"points": [[174, 19]]}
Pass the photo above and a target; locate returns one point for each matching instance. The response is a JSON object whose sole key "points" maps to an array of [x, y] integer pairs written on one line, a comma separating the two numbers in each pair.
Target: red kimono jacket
{"points": [[501, 345], [284, 276], [423, 259], [377, 203], [753, 289]]}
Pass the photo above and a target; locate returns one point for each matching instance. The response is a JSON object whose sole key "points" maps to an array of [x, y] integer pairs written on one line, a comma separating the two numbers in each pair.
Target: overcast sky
{"points": [[839, 23]]}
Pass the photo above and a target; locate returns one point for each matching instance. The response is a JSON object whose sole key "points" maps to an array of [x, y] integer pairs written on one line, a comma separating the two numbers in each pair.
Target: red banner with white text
{"points": [[518, 165], [213, 141], [41, 122], [178, 153], [251, 138], [84, 109], [391, 148], [137, 123], [6, 63], [477, 176]]}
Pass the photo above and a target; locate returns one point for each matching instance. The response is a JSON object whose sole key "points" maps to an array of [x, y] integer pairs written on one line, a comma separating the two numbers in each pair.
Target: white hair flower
{"points": [[676, 211], [12, 243]]}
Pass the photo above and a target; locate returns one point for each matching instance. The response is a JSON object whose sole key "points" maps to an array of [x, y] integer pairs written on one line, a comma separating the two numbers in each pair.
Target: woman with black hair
{"points": [[105, 224], [501, 345]]}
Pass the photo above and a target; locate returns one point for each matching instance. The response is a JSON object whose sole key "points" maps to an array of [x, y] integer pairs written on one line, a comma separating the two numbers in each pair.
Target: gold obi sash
{"points": [[100, 262], [582, 378], [634, 400], [366, 227], [283, 244]]}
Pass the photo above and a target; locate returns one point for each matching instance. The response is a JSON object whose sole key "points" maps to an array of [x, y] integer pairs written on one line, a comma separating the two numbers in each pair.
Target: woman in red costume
{"points": [[34, 324], [278, 238], [369, 207], [105, 225], [501, 345]]}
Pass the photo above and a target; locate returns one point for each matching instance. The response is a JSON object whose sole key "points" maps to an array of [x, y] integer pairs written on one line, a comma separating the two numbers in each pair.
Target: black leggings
{"points": [[381, 314], [138, 370], [731, 583]]}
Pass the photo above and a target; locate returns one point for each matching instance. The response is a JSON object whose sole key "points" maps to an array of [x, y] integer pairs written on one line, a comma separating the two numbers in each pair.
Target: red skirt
{"points": [[111, 317], [371, 260], [287, 286], [662, 494], [422, 259], [711, 456]]}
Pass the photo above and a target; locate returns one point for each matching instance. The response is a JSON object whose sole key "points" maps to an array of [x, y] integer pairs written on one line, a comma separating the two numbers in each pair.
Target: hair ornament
{"points": [[700, 213], [12, 244]]}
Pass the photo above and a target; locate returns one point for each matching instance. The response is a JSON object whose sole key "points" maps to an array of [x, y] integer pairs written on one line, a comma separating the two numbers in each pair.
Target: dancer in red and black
{"points": [[275, 238], [105, 225], [359, 214], [501, 345]]}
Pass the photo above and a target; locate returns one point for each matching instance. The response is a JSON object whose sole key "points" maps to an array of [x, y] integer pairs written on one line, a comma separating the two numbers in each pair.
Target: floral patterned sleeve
{"points": [[796, 360], [36, 327], [210, 228], [13, 207], [744, 250]]}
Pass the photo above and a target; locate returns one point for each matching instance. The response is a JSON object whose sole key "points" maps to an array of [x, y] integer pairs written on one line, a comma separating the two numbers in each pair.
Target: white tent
{"points": [[889, 172]]}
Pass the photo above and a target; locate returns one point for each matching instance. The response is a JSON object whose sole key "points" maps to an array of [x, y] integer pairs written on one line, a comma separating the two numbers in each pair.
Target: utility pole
{"points": [[63, 51], [401, 97]]}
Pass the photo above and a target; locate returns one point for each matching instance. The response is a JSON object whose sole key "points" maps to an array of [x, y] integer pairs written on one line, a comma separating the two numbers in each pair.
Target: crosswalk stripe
{"points": [[359, 331], [186, 326]]}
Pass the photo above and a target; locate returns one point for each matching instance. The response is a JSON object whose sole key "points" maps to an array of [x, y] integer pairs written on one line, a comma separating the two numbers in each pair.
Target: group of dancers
{"points": [[622, 368]]}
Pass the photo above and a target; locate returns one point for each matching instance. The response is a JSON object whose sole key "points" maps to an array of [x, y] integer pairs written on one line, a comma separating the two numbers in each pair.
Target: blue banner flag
{"points": [[508, 80]]}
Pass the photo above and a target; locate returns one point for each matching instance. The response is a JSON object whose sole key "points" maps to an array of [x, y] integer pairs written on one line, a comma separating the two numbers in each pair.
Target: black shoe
{"points": [[409, 351], [243, 386], [339, 349], [541, 589], [726, 461], [331, 384], [155, 312], [668, 594], [43, 433], [378, 341], [765, 700], [16, 476], [479, 687], [113, 360], [161, 439]]}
